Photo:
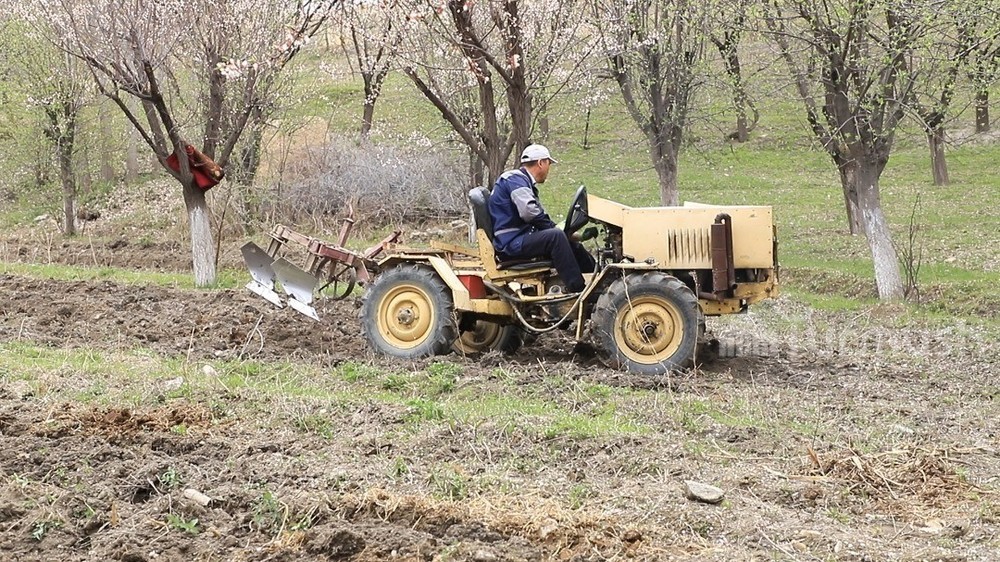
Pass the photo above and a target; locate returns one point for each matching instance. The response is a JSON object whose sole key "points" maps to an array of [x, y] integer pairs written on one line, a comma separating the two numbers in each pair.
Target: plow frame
{"points": [[325, 265]]}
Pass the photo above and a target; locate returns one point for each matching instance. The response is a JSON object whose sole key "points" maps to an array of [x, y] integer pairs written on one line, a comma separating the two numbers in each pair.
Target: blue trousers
{"points": [[568, 257]]}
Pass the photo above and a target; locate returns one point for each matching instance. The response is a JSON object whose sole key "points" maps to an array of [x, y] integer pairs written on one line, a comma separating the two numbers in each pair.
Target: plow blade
{"points": [[259, 264], [298, 284]]}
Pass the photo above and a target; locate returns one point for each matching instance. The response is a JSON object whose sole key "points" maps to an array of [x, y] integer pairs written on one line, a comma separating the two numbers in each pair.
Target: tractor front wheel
{"points": [[647, 323], [408, 313]]}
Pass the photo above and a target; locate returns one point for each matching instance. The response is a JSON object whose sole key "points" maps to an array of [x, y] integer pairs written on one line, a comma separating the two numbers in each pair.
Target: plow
{"points": [[660, 272], [329, 270]]}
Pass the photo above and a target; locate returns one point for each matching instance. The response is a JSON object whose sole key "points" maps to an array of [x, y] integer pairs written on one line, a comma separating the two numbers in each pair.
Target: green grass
{"points": [[226, 279], [429, 396]]}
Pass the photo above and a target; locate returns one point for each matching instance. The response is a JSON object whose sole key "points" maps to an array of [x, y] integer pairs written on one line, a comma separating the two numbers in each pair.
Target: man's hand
{"points": [[588, 234]]}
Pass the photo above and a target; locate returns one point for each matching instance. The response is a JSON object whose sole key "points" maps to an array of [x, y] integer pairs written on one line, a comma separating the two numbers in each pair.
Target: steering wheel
{"points": [[577, 215]]}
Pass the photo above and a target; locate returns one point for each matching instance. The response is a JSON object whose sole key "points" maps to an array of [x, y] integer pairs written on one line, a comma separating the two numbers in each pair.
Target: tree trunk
{"points": [[202, 244], [107, 147], [887, 275], [132, 157], [543, 125], [983, 111], [939, 166], [495, 164], [740, 98], [665, 163], [476, 172], [64, 148], [849, 181], [366, 119]]}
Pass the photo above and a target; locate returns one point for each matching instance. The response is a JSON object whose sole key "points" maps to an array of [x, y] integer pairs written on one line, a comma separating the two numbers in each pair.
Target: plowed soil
{"points": [[879, 446]]}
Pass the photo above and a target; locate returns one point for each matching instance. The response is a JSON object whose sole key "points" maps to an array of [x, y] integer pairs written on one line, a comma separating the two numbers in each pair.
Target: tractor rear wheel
{"points": [[408, 313], [647, 323], [489, 336]]}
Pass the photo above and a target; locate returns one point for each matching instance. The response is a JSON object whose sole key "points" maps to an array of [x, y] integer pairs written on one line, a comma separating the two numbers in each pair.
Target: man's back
{"points": [[514, 208]]}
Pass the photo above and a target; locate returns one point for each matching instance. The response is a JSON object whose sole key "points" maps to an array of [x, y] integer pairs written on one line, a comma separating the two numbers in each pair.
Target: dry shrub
{"points": [[385, 184], [911, 476]]}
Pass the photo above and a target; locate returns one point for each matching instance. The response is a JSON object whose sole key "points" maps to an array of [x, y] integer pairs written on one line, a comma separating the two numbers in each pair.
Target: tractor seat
{"points": [[478, 196], [522, 264]]}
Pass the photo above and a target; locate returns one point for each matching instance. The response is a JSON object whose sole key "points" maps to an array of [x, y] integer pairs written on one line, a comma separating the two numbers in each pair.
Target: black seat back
{"points": [[478, 198]]}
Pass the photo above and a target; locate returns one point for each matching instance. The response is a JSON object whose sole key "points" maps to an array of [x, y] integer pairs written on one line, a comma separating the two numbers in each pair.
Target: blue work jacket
{"points": [[515, 210]]}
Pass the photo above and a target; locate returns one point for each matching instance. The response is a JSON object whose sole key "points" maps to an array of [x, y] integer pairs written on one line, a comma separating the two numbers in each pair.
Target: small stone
{"points": [[483, 555], [209, 371], [702, 492], [173, 384], [548, 527], [197, 497]]}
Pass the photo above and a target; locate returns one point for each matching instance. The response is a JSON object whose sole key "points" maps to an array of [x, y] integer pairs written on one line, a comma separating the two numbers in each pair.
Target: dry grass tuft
{"points": [[912, 478], [564, 532]]}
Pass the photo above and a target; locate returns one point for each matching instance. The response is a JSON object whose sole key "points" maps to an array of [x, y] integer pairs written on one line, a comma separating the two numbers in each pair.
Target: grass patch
{"points": [[226, 279]]}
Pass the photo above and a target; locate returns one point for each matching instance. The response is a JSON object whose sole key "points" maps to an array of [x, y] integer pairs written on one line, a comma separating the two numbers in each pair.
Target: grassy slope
{"points": [[780, 166]]}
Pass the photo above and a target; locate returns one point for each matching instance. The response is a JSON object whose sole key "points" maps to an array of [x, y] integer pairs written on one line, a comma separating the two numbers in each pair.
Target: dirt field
{"points": [[849, 436]]}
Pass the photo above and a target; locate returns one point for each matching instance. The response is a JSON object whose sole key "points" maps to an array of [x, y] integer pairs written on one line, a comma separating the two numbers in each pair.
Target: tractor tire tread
{"points": [[443, 333], [657, 282]]}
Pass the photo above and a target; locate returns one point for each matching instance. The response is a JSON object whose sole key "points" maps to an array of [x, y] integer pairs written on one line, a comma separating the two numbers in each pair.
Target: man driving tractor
{"points": [[522, 228]]}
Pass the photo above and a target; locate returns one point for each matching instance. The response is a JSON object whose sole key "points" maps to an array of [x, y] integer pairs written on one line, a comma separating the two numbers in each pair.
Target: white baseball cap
{"points": [[534, 152]]}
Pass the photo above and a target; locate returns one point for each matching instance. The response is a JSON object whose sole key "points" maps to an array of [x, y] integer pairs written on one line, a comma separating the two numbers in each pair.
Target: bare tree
{"points": [[652, 47], [849, 61], [57, 85], [481, 66], [937, 61], [145, 49], [979, 28], [375, 31], [728, 25]]}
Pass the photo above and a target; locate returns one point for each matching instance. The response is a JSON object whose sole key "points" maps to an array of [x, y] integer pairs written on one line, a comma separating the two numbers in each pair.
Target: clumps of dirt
{"points": [[117, 421], [119, 251], [229, 324], [907, 480]]}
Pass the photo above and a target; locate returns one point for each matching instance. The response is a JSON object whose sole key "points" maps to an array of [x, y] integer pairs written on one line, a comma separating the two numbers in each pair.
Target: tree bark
{"points": [[366, 119], [64, 147], [666, 171], [132, 157], [202, 243], [741, 101], [939, 165], [664, 149], [543, 125], [887, 275], [849, 180], [61, 131], [476, 171], [983, 111], [107, 148]]}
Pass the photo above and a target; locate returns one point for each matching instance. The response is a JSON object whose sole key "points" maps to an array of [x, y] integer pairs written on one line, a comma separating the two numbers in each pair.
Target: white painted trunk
{"points": [[887, 275], [202, 243]]}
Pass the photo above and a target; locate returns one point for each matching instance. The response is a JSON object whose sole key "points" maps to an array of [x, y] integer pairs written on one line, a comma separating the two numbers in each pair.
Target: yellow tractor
{"points": [[660, 271]]}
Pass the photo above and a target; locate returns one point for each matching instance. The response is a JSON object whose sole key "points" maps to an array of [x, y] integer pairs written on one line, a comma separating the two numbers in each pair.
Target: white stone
{"points": [[702, 492]]}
